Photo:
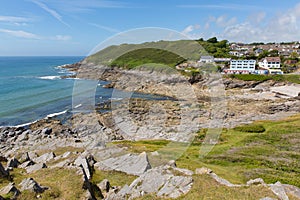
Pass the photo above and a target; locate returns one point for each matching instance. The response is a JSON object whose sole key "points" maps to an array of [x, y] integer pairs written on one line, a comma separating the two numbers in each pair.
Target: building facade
{"points": [[273, 64], [242, 65]]}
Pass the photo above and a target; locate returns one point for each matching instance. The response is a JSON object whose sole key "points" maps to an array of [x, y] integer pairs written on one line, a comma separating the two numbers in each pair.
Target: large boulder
{"points": [[129, 163], [31, 185]]}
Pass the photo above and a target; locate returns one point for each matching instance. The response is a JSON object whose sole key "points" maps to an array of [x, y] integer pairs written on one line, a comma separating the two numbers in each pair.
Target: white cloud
{"points": [[222, 21], [189, 29], [28, 35], [219, 6], [13, 19], [20, 34], [52, 12], [104, 27], [282, 27], [258, 27], [61, 37]]}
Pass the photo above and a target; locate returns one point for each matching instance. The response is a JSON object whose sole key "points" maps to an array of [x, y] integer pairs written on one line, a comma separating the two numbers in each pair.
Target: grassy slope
{"points": [[239, 156], [161, 52]]}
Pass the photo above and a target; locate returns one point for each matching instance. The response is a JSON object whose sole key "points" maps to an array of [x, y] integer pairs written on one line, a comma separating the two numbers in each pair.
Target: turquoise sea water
{"points": [[31, 89]]}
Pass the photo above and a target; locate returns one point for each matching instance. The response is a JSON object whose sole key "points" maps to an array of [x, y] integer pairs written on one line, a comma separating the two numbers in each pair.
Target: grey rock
{"points": [[203, 170], [292, 190], [10, 188], [129, 163], [104, 185], [13, 163], [159, 180], [256, 181], [44, 158], [172, 163], [35, 167], [279, 191], [176, 186], [223, 181], [83, 162], [32, 185], [26, 164]]}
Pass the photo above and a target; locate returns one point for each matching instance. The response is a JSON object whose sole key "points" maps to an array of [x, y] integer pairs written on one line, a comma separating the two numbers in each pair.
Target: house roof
{"points": [[273, 59]]}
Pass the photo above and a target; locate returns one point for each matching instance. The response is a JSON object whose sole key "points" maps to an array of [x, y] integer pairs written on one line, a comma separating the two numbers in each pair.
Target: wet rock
{"points": [[129, 163], [31, 185], [10, 188]]}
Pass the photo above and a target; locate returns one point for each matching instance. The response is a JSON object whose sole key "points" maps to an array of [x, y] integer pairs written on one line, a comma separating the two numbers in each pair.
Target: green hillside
{"points": [[162, 52]]}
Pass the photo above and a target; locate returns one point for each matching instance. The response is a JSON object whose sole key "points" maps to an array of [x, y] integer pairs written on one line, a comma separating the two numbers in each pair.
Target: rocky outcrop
{"points": [[31, 185], [160, 181], [35, 167], [10, 188], [279, 191], [129, 163]]}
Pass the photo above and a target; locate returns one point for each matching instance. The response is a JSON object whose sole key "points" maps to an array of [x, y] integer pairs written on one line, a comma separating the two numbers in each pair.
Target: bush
{"points": [[250, 128]]}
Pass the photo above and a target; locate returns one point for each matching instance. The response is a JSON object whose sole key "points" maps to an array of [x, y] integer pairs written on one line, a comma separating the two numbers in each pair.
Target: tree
{"points": [[212, 40], [294, 55]]}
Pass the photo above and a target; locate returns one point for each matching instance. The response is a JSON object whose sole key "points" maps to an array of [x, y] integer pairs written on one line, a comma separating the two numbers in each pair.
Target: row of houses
{"points": [[268, 65], [239, 50]]}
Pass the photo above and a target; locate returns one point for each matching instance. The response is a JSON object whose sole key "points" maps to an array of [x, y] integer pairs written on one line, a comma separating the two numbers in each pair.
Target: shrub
{"points": [[250, 128]]}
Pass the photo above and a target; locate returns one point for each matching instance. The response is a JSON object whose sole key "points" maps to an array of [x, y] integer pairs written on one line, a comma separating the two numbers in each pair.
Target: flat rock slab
{"points": [[44, 158], [36, 167], [10, 188], [279, 191], [159, 180], [292, 190], [129, 163], [288, 90]]}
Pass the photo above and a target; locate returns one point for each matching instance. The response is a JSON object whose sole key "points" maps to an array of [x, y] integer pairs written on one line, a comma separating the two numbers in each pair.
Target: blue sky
{"points": [[75, 27]]}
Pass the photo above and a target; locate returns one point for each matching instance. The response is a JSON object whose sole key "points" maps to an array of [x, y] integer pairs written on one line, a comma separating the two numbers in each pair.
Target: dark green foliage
{"points": [[212, 40], [250, 128]]}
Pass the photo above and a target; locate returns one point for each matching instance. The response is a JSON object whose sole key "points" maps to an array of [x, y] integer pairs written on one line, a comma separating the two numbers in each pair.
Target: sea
{"points": [[32, 88]]}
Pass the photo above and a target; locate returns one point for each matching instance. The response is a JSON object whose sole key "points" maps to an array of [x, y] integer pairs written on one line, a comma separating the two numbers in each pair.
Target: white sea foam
{"points": [[56, 114], [77, 106], [49, 77]]}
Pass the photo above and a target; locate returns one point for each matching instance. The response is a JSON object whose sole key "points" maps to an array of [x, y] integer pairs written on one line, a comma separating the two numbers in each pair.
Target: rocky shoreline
{"points": [[84, 137]]}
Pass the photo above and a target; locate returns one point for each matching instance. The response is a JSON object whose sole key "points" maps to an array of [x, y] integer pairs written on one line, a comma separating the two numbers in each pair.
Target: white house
{"points": [[242, 65], [272, 64], [206, 59]]}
